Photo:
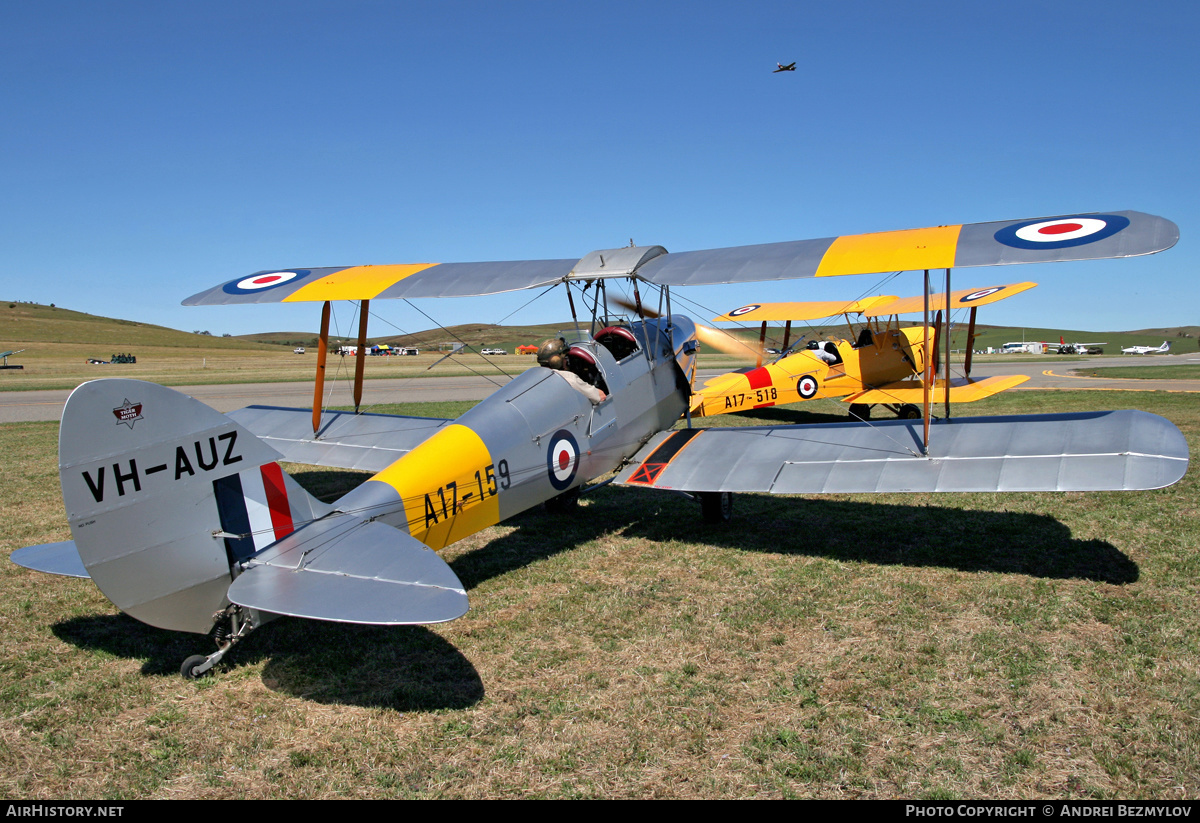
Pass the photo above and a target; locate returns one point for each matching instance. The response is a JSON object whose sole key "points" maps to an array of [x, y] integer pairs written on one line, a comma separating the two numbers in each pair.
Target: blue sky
{"points": [[149, 150]]}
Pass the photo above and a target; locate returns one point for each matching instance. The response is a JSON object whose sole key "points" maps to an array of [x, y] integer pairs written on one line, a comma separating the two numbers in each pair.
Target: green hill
{"points": [[23, 323]]}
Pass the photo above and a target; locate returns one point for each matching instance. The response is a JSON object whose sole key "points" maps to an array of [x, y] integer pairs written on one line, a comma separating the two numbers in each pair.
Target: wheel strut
{"points": [[231, 627]]}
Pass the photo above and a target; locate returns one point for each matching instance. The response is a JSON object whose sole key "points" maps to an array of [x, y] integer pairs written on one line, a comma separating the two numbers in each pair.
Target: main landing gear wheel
{"points": [[564, 503], [908, 412], [860, 411], [716, 507]]}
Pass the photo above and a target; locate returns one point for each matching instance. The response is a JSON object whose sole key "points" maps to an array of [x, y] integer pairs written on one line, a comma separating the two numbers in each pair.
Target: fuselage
{"points": [[837, 370], [534, 439]]}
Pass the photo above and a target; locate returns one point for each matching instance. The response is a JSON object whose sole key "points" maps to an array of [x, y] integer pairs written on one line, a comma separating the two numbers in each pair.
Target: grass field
{"points": [[952, 646], [1182, 371], [57, 343]]}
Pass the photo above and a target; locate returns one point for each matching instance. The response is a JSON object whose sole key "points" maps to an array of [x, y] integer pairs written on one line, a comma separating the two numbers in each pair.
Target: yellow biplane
{"points": [[886, 364]]}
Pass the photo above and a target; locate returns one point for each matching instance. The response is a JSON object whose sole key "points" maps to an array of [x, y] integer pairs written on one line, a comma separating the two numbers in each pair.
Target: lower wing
{"points": [[1088, 451]]}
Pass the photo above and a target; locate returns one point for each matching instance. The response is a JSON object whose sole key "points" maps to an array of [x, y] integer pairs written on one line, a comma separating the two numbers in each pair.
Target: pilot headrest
{"points": [[582, 355], [616, 331]]}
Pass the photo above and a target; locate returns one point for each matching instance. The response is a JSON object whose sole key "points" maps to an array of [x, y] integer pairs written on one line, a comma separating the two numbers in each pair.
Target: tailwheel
{"points": [[860, 411], [231, 626], [716, 507], [193, 668]]}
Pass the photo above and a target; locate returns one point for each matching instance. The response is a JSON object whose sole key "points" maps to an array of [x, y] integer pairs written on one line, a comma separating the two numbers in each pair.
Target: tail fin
{"points": [[165, 495]]}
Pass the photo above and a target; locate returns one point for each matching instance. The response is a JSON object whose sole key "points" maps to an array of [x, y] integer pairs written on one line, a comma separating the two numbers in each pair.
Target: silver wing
{"points": [[1089, 451]]}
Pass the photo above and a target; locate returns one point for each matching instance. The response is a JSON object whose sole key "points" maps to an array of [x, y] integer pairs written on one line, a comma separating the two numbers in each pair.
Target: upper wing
{"points": [[1041, 240], [880, 306], [378, 282], [1047, 452], [370, 442], [1070, 237]]}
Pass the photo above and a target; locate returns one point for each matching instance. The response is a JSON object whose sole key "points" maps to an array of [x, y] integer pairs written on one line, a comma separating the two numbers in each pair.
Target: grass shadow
{"points": [[405, 668], [885, 533]]}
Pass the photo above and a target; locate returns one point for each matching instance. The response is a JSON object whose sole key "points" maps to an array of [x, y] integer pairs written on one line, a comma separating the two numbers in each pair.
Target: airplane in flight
{"points": [[788, 67], [184, 519], [1163, 349]]}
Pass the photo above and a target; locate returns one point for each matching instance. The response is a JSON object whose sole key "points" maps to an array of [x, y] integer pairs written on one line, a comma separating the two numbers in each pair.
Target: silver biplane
{"points": [[184, 519]]}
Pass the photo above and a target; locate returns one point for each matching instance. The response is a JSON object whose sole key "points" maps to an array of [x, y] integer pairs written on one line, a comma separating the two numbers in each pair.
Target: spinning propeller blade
{"points": [[720, 340]]}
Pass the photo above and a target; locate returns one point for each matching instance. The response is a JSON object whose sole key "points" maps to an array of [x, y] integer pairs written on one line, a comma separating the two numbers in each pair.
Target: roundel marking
{"points": [[1061, 232], [263, 281], [982, 293], [807, 386], [562, 459], [745, 310]]}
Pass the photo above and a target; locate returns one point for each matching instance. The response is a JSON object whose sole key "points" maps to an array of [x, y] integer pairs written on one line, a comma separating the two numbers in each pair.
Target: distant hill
{"points": [[476, 335], [35, 323]]}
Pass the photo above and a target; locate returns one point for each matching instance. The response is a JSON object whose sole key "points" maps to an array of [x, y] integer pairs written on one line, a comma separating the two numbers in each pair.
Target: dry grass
{"points": [[1006, 646]]}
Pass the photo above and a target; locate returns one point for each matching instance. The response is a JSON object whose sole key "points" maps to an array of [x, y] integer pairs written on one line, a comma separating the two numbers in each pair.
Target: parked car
{"points": [[298, 350], [488, 352]]}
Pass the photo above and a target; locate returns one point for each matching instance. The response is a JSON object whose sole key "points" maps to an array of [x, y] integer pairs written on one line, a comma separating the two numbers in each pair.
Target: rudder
{"points": [[164, 495]]}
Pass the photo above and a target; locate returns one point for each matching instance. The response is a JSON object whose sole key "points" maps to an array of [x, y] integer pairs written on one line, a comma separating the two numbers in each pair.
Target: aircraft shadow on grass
{"points": [[412, 668]]}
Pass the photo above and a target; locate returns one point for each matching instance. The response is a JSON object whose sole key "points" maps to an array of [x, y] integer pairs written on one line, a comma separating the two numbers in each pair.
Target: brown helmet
{"points": [[552, 353]]}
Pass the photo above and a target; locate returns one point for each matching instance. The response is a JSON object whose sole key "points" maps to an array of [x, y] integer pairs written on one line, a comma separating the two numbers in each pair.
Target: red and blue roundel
{"points": [[807, 387], [264, 280], [744, 310], [981, 293], [562, 459], [1061, 232]]}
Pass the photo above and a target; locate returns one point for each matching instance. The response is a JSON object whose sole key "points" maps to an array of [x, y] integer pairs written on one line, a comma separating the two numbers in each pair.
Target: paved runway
{"points": [[47, 405]]}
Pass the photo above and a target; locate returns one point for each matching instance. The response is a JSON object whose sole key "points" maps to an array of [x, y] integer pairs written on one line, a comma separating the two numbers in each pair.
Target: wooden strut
{"points": [[361, 354], [322, 351], [970, 342], [762, 344]]}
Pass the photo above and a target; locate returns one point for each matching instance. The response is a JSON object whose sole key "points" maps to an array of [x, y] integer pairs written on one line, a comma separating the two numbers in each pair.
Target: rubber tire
{"points": [[716, 507], [860, 411], [909, 412], [564, 503], [188, 669]]}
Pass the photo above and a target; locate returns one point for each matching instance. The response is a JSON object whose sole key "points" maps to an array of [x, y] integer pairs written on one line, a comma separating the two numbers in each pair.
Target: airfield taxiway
{"points": [[21, 406]]}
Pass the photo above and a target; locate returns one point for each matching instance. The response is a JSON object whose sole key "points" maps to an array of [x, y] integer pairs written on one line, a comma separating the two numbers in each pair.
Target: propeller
{"points": [[718, 339]]}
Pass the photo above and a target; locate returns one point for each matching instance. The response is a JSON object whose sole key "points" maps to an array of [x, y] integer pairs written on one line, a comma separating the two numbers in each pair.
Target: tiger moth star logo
{"points": [[128, 413]]}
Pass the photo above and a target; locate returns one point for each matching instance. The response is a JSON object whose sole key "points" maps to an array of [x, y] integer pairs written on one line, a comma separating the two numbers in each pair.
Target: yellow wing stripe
{"points": [[915, 305], [448, 486], [961, 390], [891, 251], [355, 283]]}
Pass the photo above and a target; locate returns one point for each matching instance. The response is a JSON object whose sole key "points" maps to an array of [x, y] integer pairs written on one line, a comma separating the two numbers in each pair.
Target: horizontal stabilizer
{"points": [[368, 442], [52, 558], [350, 570], [1086, 451], [962, 390]]}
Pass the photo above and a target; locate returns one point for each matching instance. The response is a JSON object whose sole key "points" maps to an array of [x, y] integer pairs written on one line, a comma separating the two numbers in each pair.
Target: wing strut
{"points": [[947, 336], [926, 373], [360, 355], [322, 350], [970, 342]]}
